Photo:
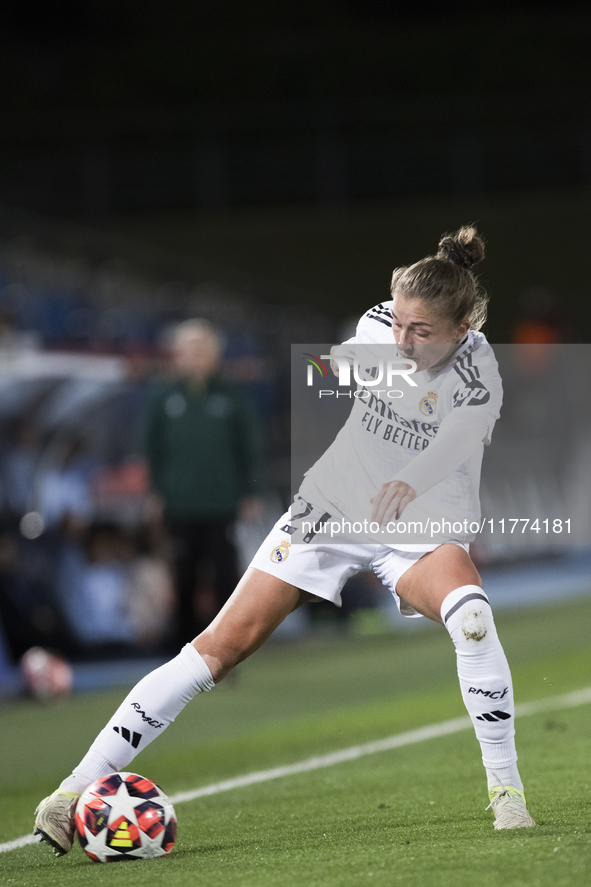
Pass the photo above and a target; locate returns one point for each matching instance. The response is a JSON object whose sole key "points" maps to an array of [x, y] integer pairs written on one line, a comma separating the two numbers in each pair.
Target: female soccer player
{"points": [[412, 455]]}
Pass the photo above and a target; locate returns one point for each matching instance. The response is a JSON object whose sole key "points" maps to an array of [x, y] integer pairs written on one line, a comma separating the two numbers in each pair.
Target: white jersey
{"points": [[390, 426]]}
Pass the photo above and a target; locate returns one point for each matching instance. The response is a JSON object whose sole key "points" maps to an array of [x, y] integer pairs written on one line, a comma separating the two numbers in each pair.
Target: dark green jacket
{"points": [[202, 448]]}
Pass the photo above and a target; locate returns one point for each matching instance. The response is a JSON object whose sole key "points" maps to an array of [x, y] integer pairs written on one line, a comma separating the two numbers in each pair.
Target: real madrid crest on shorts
{"points": [[281, 552], [428, 404]]}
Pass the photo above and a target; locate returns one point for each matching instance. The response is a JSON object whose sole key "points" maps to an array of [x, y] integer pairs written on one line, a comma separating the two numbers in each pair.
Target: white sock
{"points": [[151, 706], [485, 681]]}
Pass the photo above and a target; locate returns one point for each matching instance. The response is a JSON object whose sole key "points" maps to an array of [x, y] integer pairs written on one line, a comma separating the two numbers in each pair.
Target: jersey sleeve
{"points": [[476, 398], [374, 328], [458, 437], [478, 389]]}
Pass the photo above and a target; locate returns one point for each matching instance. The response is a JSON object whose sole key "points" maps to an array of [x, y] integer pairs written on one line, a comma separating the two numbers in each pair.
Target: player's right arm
{"points": [[458, 437], [340, 351], [468, 426]]}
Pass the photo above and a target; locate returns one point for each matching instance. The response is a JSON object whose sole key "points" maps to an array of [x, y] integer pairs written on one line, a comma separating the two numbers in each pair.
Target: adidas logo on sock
{"points": [[126, 734], [493, 716]]}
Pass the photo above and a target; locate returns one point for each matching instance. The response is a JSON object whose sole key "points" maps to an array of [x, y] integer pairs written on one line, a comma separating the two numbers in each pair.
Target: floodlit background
{"points": [[264, 166]]}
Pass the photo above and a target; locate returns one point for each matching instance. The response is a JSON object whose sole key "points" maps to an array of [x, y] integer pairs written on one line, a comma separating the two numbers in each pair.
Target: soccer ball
{"points": [[125, 817]]}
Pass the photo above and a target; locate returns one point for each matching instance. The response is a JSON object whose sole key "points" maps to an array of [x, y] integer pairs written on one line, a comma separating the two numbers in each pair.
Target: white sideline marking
{"points": [[19, 842], [524, 709]]}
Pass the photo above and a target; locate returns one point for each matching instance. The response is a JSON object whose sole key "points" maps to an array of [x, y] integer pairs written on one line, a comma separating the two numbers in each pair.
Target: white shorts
{"points": [[323, 568]]}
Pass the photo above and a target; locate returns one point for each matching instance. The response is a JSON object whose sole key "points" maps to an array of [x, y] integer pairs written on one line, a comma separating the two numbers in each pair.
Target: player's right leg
{"points": [[259, 604], [445, 586]]}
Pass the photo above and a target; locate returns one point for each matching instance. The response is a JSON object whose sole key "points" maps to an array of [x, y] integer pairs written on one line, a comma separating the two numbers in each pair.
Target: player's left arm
{"points": [[370, 330]]}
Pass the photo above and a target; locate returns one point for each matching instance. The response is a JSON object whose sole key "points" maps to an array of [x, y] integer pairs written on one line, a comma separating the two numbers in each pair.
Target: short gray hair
{"points": [[197, 326]]}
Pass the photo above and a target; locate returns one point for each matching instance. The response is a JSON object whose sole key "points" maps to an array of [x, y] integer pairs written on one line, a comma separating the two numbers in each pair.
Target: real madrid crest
{"points": [[428, 404], [281, 552]]}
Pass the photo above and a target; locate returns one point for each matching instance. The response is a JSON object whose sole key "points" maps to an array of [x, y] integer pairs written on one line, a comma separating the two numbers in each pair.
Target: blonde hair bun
{"points": [[445, 281], [464, 248]]}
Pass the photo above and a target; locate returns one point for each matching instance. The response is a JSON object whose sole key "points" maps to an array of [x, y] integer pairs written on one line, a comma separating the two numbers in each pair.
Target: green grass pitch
{"points": [[412, 816]]}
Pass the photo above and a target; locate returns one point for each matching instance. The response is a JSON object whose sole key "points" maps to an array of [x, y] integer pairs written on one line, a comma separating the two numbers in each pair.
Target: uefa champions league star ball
{"points": [[125, 817]]}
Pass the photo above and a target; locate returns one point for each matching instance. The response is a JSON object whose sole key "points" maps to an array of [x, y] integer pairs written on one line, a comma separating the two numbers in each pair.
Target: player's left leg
{"points": [[445, 586], [259, 604]]}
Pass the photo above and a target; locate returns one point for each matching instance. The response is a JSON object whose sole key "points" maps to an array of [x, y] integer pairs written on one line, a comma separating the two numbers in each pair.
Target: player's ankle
{"points": [[504, 776]]}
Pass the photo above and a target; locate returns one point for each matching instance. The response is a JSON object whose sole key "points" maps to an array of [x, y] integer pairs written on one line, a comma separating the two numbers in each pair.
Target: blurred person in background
{"points": [[63, 490], [202, 449], [25, 617], [115, 590], [46, 509], [540, 319], [19, 467], [62, 499], [94, 588], [151, 590], [541, 324]]}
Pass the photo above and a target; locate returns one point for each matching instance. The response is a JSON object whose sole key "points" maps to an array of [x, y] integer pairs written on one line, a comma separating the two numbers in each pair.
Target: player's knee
{"points": [[467, 615], [458, 565], [220, 656]]}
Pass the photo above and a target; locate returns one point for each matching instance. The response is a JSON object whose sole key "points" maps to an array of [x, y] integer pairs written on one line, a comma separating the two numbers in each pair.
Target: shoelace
{"points": [[505, 793], [511, 801]]}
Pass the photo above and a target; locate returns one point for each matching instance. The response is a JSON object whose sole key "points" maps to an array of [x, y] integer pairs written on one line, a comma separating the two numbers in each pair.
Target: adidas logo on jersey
{"points": [[493, 716], [126, 734]]}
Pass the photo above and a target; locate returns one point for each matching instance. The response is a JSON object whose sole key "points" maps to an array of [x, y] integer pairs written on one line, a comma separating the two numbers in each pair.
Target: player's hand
{"points": [[390, 501]]}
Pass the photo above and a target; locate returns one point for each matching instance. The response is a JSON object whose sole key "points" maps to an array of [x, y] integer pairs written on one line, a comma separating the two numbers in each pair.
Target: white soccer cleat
{"points": [[508, 804], [54, 821]]}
